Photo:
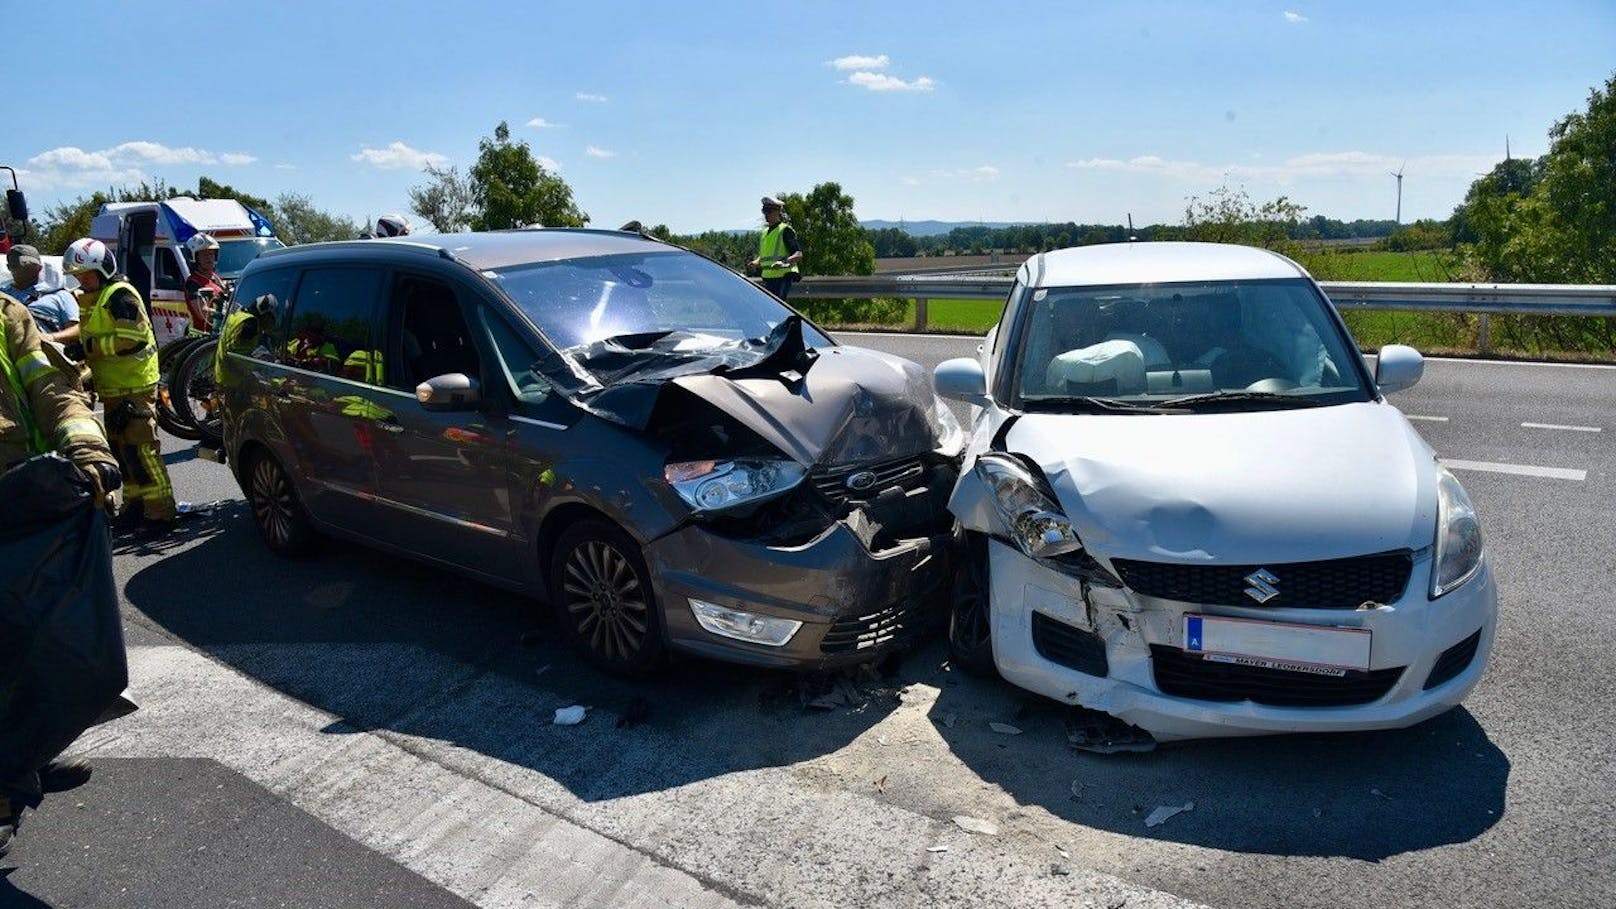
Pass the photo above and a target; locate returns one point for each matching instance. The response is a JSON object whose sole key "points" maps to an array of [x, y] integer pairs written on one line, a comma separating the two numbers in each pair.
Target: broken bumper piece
{"points": [[737, 600], [1115, 650]]}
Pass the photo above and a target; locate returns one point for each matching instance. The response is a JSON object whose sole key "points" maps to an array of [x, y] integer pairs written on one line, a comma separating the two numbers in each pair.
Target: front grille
{"points": [[1453, 661], [902, 472], [894, 624], [1071, 647], [1332, 584], [1187, 675]]}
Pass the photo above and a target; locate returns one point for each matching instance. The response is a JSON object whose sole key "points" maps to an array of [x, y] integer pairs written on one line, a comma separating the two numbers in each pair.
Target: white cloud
{"points": [[157, 153], [591, 96], [1294, 17], [70, 157], [977, 174], [857, 61], [547, 163], [398, 156], [541, 123], [237, 158], [595, 151], [286, 167], [70, 166], [1312, 165], [881, 82]]}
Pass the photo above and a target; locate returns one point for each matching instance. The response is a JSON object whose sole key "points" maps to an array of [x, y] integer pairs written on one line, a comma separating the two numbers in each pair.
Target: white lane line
{"points": [[1415, 416], [1523, 470], [1558, 426]]}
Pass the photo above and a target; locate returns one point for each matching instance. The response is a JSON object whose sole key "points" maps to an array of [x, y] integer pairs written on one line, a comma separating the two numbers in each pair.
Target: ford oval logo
{"points": [[861, 481]]}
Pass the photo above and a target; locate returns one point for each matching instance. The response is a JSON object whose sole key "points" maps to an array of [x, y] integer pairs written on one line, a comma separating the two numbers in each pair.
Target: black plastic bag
{"points": [[62, 660]]}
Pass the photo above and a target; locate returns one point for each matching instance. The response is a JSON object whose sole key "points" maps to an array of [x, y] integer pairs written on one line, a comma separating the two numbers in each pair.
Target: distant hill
{"points": [[934, 228]]}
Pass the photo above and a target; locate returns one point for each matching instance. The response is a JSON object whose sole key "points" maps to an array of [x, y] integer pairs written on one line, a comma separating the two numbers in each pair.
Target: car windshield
{"points": [[696, 303], [1185, 348], [235, 254]]}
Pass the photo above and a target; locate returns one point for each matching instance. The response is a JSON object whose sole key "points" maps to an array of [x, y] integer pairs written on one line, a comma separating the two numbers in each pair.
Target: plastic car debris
{"points": [[1102, 733], [570, 716], [1163, 812], [1004, 728], [976, 825], [936, 848]]}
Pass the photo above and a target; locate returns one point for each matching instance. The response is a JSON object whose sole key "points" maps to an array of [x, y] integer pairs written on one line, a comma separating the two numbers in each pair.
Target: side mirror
{"points": [[1398, 367], [452, 391], [961, 379], [17, 206]]}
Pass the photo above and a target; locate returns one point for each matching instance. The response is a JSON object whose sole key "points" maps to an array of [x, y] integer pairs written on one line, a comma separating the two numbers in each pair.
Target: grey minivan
{"points": [[673, 458]]}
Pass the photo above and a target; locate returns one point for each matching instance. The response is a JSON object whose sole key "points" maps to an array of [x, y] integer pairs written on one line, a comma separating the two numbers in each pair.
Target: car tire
{"points": [[970, 639], [277, 511], [602, 595]]}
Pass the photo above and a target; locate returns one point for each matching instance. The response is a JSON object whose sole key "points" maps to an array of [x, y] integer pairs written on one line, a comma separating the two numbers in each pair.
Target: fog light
{"points": [[744, 626]]}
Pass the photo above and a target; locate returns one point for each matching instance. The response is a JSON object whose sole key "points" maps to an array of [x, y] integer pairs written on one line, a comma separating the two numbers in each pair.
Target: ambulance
{"points": [[149, 241]]}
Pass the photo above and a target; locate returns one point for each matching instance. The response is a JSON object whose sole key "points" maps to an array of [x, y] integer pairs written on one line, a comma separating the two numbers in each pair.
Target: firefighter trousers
{"points": [[132, 431]]}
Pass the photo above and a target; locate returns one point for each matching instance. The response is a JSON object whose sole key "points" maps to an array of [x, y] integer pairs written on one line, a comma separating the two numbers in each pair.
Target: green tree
{"points": [[1227, 215], [445, 199], [1579, 192], [510, 188], [833, 241], [301, 222]]}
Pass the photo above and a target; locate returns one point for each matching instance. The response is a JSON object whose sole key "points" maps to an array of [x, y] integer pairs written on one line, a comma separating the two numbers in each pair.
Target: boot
{"points": [[63, 774], [132, 516]]}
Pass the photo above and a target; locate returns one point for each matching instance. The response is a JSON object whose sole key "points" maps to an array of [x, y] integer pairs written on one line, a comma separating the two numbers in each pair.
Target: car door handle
{"points": [[389, 425]]}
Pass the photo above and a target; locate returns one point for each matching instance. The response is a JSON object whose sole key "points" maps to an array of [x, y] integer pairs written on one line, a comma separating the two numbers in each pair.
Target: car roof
{"points": [[1154, 263], [487, 250]]}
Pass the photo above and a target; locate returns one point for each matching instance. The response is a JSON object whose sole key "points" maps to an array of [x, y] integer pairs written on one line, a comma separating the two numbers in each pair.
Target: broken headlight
{"points": [[1033, 519], [1458, 536], [950, 437], [717, 485]]}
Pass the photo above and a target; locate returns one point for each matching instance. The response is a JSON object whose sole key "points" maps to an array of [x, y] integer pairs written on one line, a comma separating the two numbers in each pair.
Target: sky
{"points": [[686, 113]]}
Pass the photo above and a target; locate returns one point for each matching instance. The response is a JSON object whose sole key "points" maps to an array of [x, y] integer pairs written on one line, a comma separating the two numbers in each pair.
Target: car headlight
{"points": [[717, 485], [950, 437], [1032, 517], [1458, 536]]}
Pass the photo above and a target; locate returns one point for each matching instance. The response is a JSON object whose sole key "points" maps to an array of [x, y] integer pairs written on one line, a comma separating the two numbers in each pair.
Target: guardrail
{"points": [[1481, 299]]}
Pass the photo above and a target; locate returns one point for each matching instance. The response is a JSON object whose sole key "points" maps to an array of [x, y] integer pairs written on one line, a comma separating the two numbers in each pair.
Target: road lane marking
{"points": [[1558, 426], [1413, 416], [1523, 470]]}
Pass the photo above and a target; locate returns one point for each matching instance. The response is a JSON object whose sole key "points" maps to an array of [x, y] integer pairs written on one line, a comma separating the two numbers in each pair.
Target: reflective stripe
{"points": [[80, 429], [33, 367]]}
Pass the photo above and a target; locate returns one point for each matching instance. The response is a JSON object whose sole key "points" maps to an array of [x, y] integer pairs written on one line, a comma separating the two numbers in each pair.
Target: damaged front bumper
{"points": [[1112, 649], [856, 593]]}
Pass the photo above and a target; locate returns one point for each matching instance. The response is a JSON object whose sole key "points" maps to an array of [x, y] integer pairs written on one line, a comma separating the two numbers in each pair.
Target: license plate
{"points": [[1321, 650]]}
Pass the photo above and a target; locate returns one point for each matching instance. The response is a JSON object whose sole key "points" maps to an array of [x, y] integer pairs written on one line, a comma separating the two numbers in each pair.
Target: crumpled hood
{"points": [[851, 405], [1238, 488]]}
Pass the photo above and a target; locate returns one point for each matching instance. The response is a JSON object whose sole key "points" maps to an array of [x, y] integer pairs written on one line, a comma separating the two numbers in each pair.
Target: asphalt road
{"points": [[401, 713]]}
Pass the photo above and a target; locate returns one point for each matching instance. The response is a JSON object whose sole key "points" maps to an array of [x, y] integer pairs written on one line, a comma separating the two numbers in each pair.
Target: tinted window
{"points": [[332, 321], [581, 301], [278, 284], [433, 335], [168, 275]]}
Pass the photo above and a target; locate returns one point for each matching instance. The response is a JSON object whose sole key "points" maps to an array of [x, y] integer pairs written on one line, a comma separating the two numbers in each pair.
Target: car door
{"points": [[326, 391], [444, 476]]}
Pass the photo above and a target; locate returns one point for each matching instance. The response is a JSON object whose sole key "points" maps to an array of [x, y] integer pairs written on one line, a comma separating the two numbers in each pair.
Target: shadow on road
{"points": [[387, 644], [1367, 796]]}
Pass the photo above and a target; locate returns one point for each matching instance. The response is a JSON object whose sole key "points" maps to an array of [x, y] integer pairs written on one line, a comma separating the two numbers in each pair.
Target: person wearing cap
{"points": [[779, 251], [44, 292]]}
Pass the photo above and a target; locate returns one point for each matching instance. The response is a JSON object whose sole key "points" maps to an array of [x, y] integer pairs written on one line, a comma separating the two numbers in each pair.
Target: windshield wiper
{"points": [[1079, 404], [1243, 397]]}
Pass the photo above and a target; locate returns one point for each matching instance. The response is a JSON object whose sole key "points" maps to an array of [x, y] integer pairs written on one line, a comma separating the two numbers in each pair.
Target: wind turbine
{"points": [[1399, 175]]}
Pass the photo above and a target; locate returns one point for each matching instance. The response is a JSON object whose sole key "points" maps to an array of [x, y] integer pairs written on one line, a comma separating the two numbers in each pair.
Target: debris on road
{"points": [[881, 784], [1380, 795], [1004, 728], [570, 716], [976, 825], [1101, 733], [936, 848], [634, 713], [948, 720], [1059, 870], [1163, 812]]}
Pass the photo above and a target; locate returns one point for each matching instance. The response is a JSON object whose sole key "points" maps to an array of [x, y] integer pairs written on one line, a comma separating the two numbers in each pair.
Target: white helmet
{"points": [[89, 255], [392, 226], [200, 241]]}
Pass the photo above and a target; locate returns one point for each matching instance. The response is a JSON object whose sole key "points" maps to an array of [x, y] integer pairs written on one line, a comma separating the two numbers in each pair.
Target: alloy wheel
{"points": [[272, 502]]}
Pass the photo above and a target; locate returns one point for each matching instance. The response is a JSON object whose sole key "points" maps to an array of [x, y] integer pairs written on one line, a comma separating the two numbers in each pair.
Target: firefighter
{"points": [[122, 352], [43, 409], [203, 285]]}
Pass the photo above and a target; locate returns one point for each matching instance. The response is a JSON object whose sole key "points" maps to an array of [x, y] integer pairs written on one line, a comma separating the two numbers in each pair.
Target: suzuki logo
{"points": [[861, 481], [1262, 587]]}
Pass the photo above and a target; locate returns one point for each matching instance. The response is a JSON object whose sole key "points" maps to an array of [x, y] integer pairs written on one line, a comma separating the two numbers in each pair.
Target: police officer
{"points": [[122, 352], [42, 409], [778, 250]]}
